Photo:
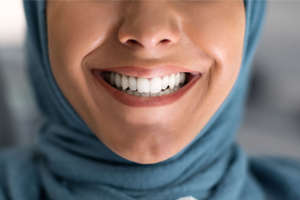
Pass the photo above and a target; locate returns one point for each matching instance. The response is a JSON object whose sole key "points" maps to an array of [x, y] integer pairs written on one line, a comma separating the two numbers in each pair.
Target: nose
{"points": [[148, 25]]}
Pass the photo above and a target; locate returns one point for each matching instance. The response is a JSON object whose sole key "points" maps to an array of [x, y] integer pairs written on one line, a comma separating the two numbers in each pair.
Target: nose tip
{"points": [[148, 27]]}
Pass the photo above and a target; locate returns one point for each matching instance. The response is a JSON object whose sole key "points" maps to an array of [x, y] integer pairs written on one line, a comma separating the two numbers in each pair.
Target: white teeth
{"points": [[124, 82], [112, 78], [165, 82], [155, 85], [132, 83], [177, 79], [172, 81], [143, 85], [118, 80]]}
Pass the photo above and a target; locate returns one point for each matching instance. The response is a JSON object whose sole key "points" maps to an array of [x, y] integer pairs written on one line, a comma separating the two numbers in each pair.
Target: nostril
{"points": [[165, 42], [133, 43]]}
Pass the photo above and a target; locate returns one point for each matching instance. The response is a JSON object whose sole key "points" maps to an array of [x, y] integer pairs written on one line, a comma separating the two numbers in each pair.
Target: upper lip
{"points": [[157, 71]]}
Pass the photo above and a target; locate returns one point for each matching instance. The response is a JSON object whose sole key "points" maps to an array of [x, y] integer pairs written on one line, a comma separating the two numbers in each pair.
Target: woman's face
{"points": [[97, 46]]}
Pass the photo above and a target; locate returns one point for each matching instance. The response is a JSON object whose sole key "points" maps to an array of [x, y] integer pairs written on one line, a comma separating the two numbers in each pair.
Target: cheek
{"points": [[72, 37], [75, 35], [220, 33]]}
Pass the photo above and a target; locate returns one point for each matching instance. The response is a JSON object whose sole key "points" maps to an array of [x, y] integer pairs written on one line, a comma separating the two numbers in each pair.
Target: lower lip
{"points": [[135, 101]]}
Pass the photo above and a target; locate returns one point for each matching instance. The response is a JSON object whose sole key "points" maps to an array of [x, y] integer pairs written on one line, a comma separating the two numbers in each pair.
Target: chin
{"points": [[145, 152], [145, 158]]}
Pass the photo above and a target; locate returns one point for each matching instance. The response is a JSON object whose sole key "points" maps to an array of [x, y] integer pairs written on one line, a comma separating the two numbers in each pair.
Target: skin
{"points": [[205, 36]]}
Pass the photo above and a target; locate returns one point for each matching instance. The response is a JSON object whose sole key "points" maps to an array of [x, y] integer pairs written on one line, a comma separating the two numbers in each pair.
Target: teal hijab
{"points": [[70, 163]]}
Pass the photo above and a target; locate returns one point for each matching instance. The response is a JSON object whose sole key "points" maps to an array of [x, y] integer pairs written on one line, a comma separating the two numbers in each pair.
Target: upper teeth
{"points": [[144, 85]]}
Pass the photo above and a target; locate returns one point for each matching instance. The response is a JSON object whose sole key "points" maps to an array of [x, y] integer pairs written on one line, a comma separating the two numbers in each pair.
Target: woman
{"points": [[142, 100]]}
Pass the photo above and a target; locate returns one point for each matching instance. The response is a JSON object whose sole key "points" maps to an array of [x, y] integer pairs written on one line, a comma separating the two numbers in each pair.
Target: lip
{"points": [[148, 72], [135, 101]]}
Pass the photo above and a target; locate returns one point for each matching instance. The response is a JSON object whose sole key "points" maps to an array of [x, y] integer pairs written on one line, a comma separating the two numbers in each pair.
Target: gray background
{"points": [[271, 123]]}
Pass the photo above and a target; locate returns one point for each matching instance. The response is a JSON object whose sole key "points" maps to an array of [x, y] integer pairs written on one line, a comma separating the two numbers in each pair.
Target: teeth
{"points": [[136, 93], [153, 94], [182, 77], [132, 83], [112, 78], [144, 87], [172, 81], [165, 82], [129, 92], [145, 94], [155, 85], [118, 80], [124, 82], [160, 93], [177, 79]]}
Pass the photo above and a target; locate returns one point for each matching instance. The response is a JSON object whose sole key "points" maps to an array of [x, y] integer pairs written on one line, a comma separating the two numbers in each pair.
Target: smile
{"points": [[146, 87], [140, 91]]}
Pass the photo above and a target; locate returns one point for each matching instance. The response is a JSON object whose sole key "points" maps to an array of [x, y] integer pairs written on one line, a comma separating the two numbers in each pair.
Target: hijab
{"points": [[70, 163]]}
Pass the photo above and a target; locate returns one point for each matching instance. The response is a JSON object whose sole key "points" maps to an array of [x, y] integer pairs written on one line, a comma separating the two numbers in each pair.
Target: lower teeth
{"points": [[161, 93]]}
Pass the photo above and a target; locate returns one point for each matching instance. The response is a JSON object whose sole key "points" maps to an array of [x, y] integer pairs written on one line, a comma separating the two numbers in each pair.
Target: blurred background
{"points": [[271, 123]]}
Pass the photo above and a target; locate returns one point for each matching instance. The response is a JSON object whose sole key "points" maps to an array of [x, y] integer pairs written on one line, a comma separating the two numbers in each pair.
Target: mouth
{"points": [[143, 91]]}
